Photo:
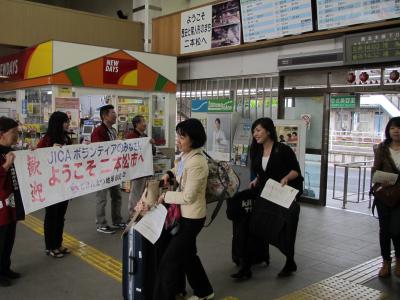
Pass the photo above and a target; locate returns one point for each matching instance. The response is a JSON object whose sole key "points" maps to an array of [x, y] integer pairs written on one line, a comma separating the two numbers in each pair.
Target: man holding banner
{"points": [[102, 133]]}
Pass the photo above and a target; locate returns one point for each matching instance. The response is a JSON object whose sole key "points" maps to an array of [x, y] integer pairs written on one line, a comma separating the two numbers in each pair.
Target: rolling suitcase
{"points": [[133, 266], [239, 242]]}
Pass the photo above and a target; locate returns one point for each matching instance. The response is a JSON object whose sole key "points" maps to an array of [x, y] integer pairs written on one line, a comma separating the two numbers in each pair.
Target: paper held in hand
{"points": [[384, 177], [152, 223], [278, 194]]}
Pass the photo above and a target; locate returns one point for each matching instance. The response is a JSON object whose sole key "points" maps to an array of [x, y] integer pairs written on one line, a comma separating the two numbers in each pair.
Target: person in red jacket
{"points": [[105, 132], [11, 208], [138, 184], [57, 135]]}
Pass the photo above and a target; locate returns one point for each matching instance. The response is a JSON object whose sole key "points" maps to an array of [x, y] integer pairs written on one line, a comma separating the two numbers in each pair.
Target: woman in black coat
{"points": [[271, 159]]}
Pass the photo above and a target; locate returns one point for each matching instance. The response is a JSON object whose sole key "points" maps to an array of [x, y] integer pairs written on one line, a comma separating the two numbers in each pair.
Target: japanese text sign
{"points": [[343, 101], [196, 27], [51, 175]]}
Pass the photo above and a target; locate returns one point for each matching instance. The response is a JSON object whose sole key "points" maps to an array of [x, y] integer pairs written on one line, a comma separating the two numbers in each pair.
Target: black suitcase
{"points": [[239, 242], [140, 261], [133, 266]]}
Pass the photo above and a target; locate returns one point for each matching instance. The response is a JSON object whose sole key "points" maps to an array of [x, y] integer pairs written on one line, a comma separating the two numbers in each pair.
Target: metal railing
{"points": [[362, 167]]}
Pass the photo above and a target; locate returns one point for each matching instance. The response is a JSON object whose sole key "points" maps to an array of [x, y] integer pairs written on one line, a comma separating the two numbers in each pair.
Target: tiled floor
{"points": [[328, 242]]}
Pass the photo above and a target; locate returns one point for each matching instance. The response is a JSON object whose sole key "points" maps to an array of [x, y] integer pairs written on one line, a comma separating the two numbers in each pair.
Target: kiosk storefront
{"points": [[78, 79]]}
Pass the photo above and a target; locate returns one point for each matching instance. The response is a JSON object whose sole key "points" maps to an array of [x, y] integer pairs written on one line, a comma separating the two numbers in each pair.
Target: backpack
{"points": [[222, 183]]}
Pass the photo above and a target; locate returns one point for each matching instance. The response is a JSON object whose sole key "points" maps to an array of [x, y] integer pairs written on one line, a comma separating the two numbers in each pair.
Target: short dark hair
{"points": [[392, 122], [136, 120], [104, 110], [6, 124], [194, 130], [218, 120], [256, 150]]}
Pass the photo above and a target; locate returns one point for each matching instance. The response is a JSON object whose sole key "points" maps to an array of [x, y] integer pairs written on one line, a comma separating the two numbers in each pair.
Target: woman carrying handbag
{"points": [[271, 159], [191, 171], [387, 159]]}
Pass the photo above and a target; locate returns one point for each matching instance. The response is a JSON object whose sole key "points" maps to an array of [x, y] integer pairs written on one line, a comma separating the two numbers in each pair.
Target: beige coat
{"points": [[193, 186]]}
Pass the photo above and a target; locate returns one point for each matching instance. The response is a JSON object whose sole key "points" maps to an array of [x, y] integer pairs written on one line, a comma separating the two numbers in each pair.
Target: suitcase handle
{"points": [[132, 265]]}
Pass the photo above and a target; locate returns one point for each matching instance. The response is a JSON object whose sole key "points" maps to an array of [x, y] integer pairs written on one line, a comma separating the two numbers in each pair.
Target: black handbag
{"points": [[389, 195]]}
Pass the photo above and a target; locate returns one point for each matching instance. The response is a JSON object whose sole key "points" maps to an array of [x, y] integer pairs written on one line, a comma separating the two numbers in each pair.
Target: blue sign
{"points": [[199, 105]]}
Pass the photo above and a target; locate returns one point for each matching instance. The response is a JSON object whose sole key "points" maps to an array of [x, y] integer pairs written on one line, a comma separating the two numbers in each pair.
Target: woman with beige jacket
{"points": [[191, 172]]}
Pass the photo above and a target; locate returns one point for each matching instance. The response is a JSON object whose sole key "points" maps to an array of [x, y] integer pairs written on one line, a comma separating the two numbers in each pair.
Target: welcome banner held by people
{"points": [[51, 175]]}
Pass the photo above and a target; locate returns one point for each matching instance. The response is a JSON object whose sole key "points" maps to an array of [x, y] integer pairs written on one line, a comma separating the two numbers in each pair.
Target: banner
{"points": [[51, 175]]}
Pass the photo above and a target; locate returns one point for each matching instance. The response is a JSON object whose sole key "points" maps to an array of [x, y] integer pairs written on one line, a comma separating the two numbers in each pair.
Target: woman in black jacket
{"points": [[271, 159], [57, 135], [387, 159]]}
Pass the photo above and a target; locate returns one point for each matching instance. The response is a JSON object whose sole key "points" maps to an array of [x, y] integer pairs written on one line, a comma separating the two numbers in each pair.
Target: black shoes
{"points": [[4, 281], [10, 274], [288, 269], [242, 274], [5, 278]]}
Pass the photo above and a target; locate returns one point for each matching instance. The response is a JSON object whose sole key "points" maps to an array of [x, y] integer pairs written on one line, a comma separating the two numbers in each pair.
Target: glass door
{"points": [[311, 110]]}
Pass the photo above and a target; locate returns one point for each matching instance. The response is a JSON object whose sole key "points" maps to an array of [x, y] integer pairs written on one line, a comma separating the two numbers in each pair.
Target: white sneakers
{"points": [[194, 297]]}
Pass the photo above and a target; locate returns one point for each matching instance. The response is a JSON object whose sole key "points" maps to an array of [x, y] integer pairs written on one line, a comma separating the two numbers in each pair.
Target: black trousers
{"points": [[7, 238], [54, 225], [389, 229], [181, 255]]}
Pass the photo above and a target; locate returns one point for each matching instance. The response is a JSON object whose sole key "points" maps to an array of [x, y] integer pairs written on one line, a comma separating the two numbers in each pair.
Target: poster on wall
{"points": [[241, 142], [71, 107], [196, 26], [288, 135], [226, 24], [211, 26], [293, 134], [218, 136]]}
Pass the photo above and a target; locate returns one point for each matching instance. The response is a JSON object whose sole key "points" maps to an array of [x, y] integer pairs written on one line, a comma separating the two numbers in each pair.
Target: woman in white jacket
{"points": [[191, 171]]}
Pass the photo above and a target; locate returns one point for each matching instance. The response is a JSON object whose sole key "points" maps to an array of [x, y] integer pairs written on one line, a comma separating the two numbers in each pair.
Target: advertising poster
{"points": [[226, 24], [241, 142], [218, 136], [288, 135], [209, 27]]}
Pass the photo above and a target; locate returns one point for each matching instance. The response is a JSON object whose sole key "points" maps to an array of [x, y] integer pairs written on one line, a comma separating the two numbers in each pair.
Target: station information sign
{"points": [[339, 13], [268, 19], [343, 101], [376, 46]]}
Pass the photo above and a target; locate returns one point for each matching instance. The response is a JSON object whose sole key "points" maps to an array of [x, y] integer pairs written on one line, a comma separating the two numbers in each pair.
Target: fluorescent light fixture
{"points": [[3, 76], [49, 92]]}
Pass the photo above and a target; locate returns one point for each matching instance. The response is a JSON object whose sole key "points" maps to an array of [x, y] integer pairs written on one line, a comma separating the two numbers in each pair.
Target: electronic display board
{"points": [[375, 46], [339, 13], [268, 19]]}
